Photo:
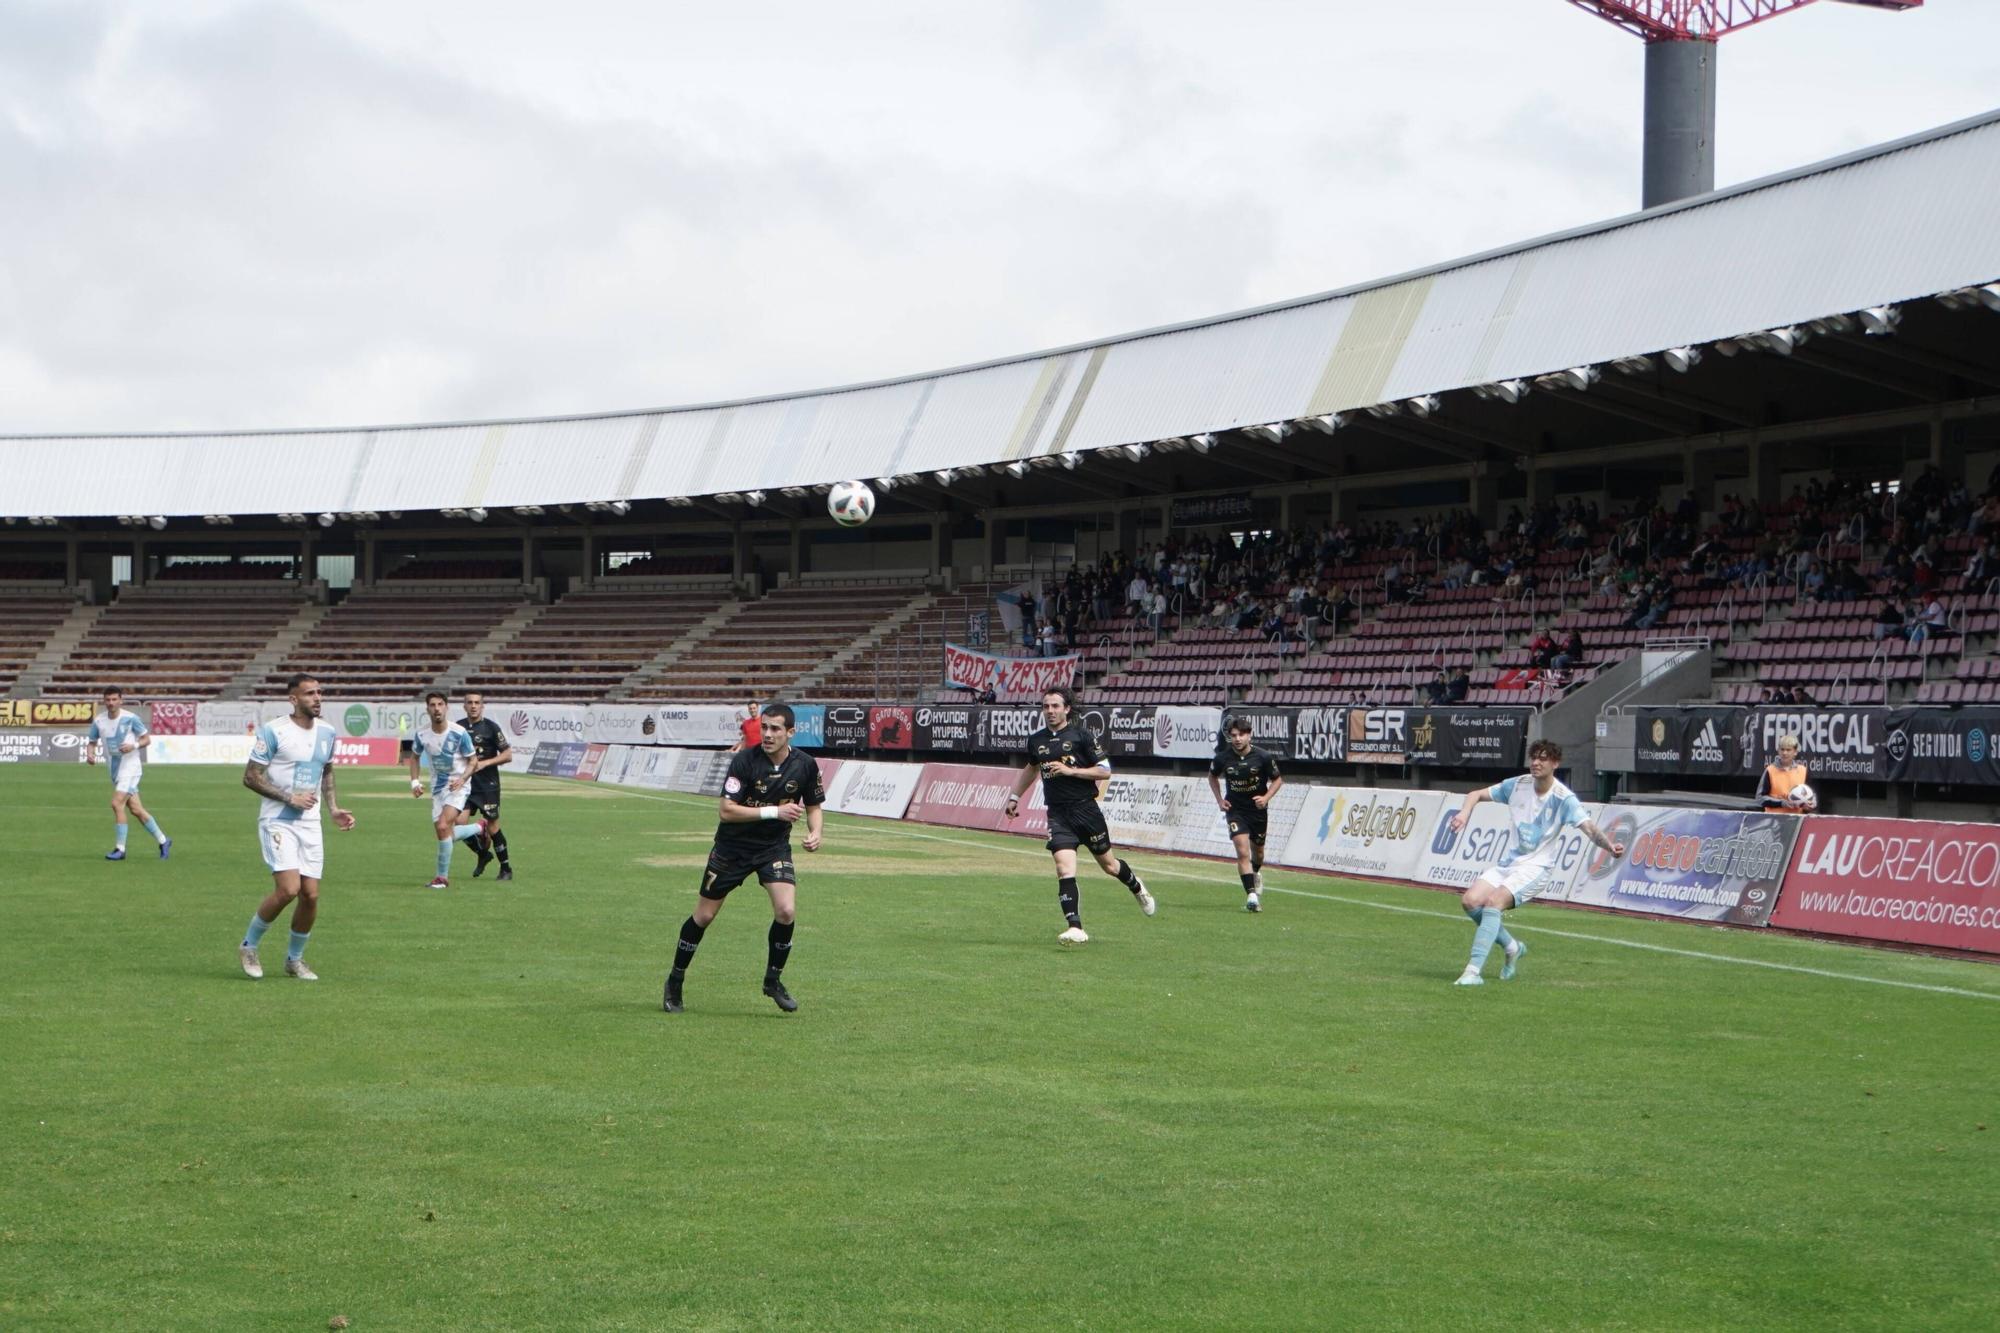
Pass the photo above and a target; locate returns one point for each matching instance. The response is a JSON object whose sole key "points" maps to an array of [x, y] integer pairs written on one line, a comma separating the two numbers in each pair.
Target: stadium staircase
{"points": [[661, 664], [479, 656], [245, 683], [854, 672], [587, 644], [39, 628], [393, 640]]}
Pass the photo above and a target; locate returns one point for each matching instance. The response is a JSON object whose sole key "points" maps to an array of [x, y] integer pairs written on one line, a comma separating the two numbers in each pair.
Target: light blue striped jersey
{"points": [[297, 757], [114, 732], [1538, 820], [446, 753]]}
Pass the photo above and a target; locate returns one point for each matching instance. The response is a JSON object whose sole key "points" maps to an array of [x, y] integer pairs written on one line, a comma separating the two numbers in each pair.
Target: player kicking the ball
{"points": [[1252, 779], [1066, 756], [769, 788], [1540, 808], [447, 750]]}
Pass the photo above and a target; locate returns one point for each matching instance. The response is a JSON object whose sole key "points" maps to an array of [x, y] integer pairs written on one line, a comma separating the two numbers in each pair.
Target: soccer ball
{"points": [[851, 503], [1803, 795]]}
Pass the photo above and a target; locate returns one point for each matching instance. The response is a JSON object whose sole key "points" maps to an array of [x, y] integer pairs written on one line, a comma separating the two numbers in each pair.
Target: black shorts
{"points": [[729, 867], [484, 804], [1247, 818], [1078, 826]]}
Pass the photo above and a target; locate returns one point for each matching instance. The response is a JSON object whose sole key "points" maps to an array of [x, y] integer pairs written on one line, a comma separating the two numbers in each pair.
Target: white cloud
{"points": [[227, 214]]}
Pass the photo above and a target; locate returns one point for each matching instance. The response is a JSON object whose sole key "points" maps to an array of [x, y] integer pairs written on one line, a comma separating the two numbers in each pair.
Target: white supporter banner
{"points": [[1452, 860], [537, 724], [697, 724], [651, 766], [237, 717], [1186, 733], [1144, 811], [1363, 831], [1200, 826], [613, 768], [879, 789], [199, 750], [620, 724], [970, 669]]}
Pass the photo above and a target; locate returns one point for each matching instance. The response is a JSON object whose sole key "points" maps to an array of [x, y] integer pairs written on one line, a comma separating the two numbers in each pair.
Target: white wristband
{"points": [[768, 812], [416, 784]]}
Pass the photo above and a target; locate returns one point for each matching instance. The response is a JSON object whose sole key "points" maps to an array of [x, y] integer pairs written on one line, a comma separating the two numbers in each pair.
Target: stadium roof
{"points": [[1890, 224]]}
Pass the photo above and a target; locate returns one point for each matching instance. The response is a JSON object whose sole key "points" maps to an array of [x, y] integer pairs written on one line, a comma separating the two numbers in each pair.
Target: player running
{"points": [[123, 738], [1540, 808], [768, 789], [291, 767], [492, 752], [1252, 778], [447, 751], [1065, 755]]}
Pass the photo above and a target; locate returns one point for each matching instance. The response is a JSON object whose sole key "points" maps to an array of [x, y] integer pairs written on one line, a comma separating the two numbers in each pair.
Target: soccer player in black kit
{"points": [[768, 789], [492, 752], [1066, 756], [1251, 777]]}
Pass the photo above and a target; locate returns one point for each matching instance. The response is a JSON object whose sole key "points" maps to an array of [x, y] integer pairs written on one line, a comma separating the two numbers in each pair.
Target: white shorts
{"points": [[293, 844], [449, 800], [1525, 880], [127, 780]]}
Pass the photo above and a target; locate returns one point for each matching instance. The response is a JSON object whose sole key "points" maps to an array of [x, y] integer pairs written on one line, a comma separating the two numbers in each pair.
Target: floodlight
{"points": [[1879, 320], [326, 520], [1633, 365], [1326, 423], [1017, 469], [476, 514], [1505, 391], [1681, 359], [753, 498], [1136, 452], [1423, 404]]}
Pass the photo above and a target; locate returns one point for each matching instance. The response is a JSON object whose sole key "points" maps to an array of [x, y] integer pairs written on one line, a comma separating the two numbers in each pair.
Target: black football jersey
{"points": [[754, 780], [1245, 775], [1075, 746], [487, 741]]}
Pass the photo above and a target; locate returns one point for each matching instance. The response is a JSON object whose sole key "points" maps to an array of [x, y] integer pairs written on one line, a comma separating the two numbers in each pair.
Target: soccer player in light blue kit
{"points": [[123, 738], [1540, 808], [291, 767], [447, 750]]}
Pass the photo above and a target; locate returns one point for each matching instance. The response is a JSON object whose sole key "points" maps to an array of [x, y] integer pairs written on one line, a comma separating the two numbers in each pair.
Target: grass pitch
{"points": [[480, 1118]]}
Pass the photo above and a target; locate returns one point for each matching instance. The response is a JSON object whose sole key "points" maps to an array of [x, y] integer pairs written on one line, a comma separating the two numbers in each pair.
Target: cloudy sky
{"points": [[240, 213]]}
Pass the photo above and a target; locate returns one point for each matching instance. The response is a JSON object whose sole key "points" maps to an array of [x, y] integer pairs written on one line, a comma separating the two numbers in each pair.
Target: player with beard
{"points": [[769, 788], [291, 767], [491, 752], [1067, 758]]}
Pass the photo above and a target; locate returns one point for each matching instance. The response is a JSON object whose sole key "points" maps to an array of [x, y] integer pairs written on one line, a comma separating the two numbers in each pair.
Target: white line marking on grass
{"points": [[881, 827]]}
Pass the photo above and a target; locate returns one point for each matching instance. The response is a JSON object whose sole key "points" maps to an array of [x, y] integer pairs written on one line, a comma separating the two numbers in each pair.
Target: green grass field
{"points": [[480, 1118]]}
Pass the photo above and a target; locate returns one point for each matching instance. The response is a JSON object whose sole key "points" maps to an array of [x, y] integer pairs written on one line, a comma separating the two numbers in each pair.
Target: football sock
{"points": [[258, 925], [465, 832], [121, 835], [1256, 860], [1482, 939], [444, 856], [691, 934], [1503, 939], [780, 947], [499, 841], [1250, 883], [297, 948], [1066, 895], [153, 827], [1126, 877]]}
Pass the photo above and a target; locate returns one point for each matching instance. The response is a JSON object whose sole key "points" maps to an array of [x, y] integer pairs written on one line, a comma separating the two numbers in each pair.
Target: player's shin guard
{"points": [[779, 951], [1066, 895], [1127, 877], [1482, 938], [691, 934], [499, 841]]}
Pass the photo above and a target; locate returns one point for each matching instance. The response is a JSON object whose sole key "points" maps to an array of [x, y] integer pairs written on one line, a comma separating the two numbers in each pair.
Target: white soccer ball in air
{"points": [[851, 503], [1803, 795]]}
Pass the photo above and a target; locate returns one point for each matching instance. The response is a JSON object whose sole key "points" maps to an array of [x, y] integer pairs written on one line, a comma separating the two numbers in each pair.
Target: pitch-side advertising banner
{"points": [[1202, 828], [396, 718], [698, 724], [975, 796], [175, 717], [41, 747], [943, 727], [50, 712], [1319, 735], [808, 726], [1700, 865], [1186, 733], [1378, 735], [1363, 831], [1453, 860], [892, 727], [1005, 728], [199, 750], [232, 717], [377, 751], [612, 769], [970, 669], [1468, 737], [626, 724], [1895, 879], [882, 790], [846, 727]]}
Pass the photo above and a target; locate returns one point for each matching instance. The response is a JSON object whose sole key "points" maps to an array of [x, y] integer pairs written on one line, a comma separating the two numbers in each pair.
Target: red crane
{"points": [[1680, 37], [1704, 20]]}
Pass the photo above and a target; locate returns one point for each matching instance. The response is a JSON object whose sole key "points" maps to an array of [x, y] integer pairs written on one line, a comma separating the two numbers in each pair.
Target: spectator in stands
{"points": [[1392, 581], [1439, 688], [986, 695], [1933, 622], [1460, 686], [1249, 613], [1157, 611], [1541, 650], [1045, 639], [1570, 652], [1981, 568], [1782, 778], [1889, 621], [1137, 594]]}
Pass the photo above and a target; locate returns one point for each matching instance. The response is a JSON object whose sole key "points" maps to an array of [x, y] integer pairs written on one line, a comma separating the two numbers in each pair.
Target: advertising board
{"points": [[1696, 864], [1362, 831], [867, 788], [1911, 881]]}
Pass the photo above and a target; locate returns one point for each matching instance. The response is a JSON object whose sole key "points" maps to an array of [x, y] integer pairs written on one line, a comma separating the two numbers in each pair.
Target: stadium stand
{"points": [[585, 646], [175, 641], [390, 641], [28, 617], [771, 644]]}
